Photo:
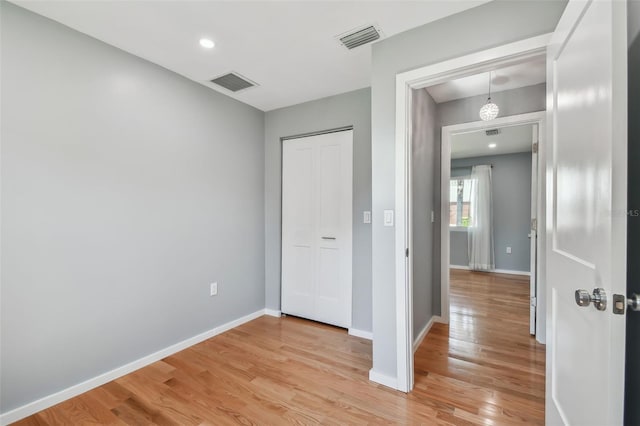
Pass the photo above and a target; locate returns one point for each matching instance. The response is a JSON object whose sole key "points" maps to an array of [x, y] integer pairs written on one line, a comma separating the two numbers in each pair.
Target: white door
{"points": [[317, 176], [533, 231], [586, 202]]}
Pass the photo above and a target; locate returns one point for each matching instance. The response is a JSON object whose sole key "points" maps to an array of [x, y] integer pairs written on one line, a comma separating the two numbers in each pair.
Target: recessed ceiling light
{"points": [[206, 43], [492, 145]]}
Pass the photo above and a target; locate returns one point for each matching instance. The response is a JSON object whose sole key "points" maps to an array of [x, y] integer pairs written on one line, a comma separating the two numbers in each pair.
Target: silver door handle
{"points": [[633, 302], [599, 298], [328, 238]]}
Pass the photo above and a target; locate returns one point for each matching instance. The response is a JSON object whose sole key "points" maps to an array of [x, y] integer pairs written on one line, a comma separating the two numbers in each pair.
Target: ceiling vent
{"points": [[233, 81], [492, 132], [360, 36]]}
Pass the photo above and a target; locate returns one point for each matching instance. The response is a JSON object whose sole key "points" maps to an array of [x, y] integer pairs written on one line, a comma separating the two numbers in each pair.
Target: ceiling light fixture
{"points": [[206, 43], [492, 145], [489, 111]]}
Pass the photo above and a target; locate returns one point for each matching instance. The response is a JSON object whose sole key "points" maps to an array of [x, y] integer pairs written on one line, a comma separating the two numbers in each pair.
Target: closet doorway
{"points": [[317, 182]]}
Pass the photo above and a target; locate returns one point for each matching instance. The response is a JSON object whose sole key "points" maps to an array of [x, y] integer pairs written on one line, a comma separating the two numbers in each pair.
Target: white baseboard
{"points": [[272, 312], [361, 333], [463, 267], [423, 333], [510, 272], [439, 319], [497, 271], [388, 381], [75, 390]]}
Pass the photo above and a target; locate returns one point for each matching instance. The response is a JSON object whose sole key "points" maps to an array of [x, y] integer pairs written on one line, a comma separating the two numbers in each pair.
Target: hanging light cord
{"points": [[489, 86]]}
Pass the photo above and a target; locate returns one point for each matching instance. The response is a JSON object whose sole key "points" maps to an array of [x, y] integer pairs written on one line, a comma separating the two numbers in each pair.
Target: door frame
{"points": [[405, 82], [536, 118]]}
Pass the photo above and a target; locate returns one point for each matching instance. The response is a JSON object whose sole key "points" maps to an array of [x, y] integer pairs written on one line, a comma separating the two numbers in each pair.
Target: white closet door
{"points": [[317, 177], [298, 228]]}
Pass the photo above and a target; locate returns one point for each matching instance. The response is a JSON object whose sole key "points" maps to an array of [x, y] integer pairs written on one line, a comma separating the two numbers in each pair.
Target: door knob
{"points": [[599, 298], [633, 302]]}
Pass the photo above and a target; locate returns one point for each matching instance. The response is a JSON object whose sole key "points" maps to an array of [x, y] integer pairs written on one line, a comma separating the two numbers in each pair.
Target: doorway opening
{"points": [[489, 199], [409, 84]]}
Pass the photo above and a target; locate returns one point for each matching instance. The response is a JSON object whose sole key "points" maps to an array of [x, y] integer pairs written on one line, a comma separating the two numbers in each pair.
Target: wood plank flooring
{"points": [[483, 369]]}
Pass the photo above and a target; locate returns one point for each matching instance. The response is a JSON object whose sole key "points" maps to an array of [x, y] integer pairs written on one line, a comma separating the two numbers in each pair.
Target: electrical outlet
{"points": [[508, 250], [213, 289]]}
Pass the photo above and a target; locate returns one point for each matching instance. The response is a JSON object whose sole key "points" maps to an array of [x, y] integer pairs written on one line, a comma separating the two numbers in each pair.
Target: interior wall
{"points": [[126, 190], [424, 135], [511, 184], [447, 38], [348, 109], [511, 102]]}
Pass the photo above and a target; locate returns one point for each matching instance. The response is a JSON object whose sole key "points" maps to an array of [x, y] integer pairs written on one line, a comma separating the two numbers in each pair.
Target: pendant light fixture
{"points": [[489, 111]]}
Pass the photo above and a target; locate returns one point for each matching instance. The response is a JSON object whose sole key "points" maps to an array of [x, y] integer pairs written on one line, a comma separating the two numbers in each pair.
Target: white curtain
{"points": [[480, 230]]}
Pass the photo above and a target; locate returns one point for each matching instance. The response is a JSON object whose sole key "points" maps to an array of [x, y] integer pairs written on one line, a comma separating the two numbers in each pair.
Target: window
{"points": [[459, 205]]}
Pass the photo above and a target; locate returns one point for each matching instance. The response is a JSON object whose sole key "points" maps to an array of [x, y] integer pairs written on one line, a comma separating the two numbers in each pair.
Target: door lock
{"points": [[599, 298], [619, 305]]}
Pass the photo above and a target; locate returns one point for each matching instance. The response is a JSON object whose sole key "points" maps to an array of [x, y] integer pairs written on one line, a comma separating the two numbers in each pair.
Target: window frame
{"points": [[458, 228]]}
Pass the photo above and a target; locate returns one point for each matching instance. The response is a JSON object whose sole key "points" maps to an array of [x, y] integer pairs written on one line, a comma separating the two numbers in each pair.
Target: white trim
{"points": [[474, 63], [423, 333], [383, 379], [404, 313], [458, 228], [511, 272], [495, 271], [272, 312], [405, 82], [361, 333], [65, 394]]}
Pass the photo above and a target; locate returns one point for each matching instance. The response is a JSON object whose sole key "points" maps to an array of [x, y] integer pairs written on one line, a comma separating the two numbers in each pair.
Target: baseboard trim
{"points": [[439, 319], [273, 312], [417, 341], [75, 390], [497, 271], [361, 333], [388, 381]]}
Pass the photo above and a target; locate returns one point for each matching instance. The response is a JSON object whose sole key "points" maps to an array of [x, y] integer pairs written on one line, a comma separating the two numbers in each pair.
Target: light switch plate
{"points": [[508, 250], [213, 289], [388, 218], [366, 217]]}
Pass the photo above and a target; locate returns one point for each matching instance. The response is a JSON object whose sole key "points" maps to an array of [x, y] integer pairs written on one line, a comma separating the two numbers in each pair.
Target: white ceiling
{"points": [[287, 47], [512, 77], [511, 139]]}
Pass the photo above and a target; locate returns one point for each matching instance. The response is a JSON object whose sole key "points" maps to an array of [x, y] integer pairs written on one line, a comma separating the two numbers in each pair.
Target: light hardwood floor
{"points": [[483, 369]]}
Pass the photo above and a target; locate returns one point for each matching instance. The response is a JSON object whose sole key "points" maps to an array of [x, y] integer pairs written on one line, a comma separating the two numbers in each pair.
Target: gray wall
{"points": [[126, 190], [424, 136], [349, 109], [447, 38], [511, 102], [511, 181]]}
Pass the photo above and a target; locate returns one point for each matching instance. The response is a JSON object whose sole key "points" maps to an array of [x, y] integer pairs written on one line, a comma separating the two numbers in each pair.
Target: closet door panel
{"points": [[298, 229]]}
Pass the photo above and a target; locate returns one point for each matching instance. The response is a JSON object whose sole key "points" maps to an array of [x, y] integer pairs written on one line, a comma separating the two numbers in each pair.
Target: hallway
{"points": [[485, 364]]}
